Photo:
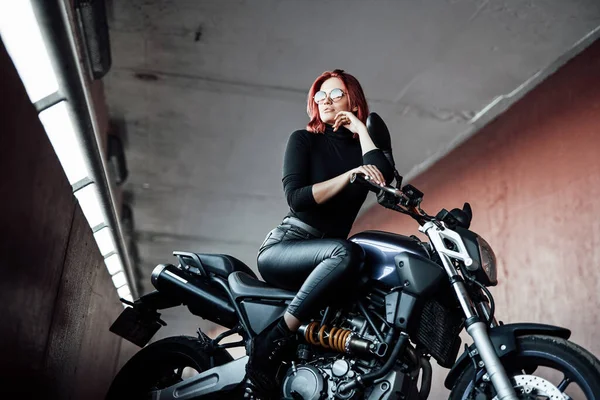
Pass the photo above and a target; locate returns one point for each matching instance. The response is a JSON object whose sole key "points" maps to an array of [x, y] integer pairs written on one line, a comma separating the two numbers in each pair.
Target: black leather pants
{"points": [[321, 270]]}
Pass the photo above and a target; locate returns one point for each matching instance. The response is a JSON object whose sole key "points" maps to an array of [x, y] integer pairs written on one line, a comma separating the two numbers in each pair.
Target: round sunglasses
{"points": [[335, 95]]}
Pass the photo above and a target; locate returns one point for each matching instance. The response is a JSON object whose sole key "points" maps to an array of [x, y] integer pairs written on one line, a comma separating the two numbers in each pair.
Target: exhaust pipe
{"points": [[202, 299]]}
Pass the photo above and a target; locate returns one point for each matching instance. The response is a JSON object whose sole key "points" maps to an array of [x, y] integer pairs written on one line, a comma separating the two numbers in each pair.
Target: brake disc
{"points": [[531, 387]]}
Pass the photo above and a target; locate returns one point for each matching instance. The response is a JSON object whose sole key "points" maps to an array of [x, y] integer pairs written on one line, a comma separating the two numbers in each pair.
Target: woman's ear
{"points": [[355, 109]]}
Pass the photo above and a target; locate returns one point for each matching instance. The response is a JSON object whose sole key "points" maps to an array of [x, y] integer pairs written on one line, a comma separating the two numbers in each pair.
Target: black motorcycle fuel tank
{"points": [[399, 261]]}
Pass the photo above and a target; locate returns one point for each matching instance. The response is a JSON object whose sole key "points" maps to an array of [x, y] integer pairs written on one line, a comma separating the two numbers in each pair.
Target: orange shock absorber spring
{"points": [[334, 338]]}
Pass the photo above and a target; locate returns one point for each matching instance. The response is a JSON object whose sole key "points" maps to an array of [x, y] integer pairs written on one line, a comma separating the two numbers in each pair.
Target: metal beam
{"points": [[57, 25]]}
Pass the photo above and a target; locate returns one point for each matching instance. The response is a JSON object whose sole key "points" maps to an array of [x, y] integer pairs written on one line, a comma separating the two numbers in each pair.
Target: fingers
{"points": [[380, 176], [341, 118], [375, 174], [343, 114], [336, 124]]}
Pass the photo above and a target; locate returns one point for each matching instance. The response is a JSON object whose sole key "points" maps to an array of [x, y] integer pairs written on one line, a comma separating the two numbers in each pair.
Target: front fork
{"points": [[492, 364], [475, 327], [483, 310]]}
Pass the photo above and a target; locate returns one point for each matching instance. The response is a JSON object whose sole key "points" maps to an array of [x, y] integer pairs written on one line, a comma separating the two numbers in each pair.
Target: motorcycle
{"points": [[415, 299]]}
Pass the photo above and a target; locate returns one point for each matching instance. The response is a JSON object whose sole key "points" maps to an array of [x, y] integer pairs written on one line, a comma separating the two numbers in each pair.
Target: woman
{"points": [[308, 252]]}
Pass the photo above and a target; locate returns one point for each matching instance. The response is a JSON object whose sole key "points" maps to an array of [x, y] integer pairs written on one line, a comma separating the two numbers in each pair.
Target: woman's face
{"points": [[328, 109]]}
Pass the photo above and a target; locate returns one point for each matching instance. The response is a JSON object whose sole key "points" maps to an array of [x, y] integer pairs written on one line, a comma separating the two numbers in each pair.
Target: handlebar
{"points": [[406, 201], [367, 181]]}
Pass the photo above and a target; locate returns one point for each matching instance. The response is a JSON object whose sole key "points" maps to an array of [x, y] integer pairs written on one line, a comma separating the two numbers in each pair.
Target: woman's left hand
{"points": [[350, 122]]}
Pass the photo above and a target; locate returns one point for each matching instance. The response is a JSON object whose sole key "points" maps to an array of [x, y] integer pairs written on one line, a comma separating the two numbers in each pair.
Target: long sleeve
{"points": [[377, 158], [296, 173]]}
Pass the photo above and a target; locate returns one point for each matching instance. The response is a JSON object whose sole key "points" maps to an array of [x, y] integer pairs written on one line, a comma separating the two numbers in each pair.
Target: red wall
{"points": [[532, 177]]}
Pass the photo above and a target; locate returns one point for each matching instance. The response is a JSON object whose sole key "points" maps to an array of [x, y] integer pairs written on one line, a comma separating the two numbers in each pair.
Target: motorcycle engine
{"points": [[319, 379], [318, 372]]}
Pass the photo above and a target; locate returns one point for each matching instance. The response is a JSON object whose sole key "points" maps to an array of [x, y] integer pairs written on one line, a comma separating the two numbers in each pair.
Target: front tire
{"points": [[160, 365], [577, 366]]}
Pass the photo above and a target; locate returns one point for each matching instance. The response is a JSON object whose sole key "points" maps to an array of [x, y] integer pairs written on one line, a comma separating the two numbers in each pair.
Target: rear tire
{"points": [[154, 367], [559, 354]]}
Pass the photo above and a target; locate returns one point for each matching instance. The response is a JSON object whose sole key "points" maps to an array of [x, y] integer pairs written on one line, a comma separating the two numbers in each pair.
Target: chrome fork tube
{"points": [[493, 365], [463, 297], [476, 329]]}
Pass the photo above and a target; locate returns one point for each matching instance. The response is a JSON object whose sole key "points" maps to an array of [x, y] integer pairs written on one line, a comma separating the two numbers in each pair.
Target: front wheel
{"points": [[544, 367], [162, 364]]}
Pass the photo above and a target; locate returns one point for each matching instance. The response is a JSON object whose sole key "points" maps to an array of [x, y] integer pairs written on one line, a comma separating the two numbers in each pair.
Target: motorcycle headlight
{"points": [[488, 260]]}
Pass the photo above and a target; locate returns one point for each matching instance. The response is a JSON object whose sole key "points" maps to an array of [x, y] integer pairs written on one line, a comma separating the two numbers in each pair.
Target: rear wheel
{"points": [[544, 367], [162, 364]]}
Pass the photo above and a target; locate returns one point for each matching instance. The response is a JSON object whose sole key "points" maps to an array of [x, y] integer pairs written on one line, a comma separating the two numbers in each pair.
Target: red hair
{"points": [[356, 99]]}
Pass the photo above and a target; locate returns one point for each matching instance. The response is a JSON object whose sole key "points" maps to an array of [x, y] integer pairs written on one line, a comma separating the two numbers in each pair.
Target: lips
{"points": [[328, 110]]}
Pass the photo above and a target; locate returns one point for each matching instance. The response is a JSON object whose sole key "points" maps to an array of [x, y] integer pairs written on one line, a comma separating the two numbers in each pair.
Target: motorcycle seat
{"points": [[244, 285], [219, 264]]}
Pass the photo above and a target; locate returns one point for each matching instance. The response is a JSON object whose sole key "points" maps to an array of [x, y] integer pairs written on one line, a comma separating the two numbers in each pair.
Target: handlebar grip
{"points": [[360, 178], [365, 180]]}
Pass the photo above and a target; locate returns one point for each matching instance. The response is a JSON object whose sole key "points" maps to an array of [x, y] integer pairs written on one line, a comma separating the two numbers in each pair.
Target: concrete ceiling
{"points": [[209, 91]]}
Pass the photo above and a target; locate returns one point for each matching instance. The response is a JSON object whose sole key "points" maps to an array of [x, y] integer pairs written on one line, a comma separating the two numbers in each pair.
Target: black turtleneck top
{"points": [[313, 158]]}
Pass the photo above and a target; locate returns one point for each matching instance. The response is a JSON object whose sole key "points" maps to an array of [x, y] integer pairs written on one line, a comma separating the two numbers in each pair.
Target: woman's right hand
{"points": [[369, 170]]}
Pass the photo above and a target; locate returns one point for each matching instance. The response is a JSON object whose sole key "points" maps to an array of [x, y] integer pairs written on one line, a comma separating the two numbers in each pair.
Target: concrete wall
{"points": [[57, 300], [532, 177]]}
